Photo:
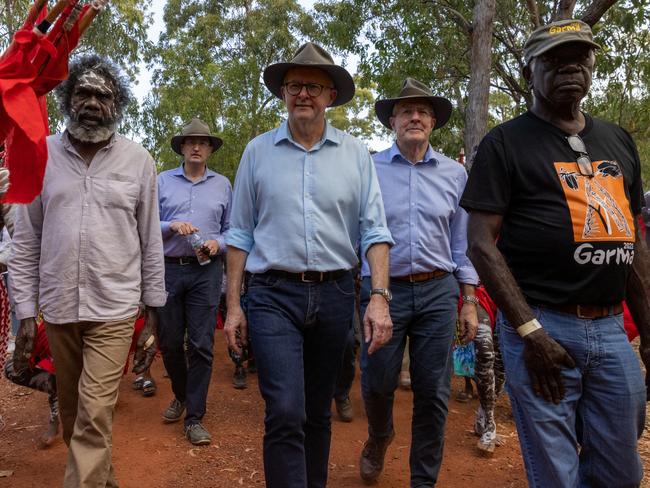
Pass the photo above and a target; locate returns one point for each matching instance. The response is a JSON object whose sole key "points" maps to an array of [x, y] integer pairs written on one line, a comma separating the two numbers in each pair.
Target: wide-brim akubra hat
{"points": [[411, 89], [311, 55], [196, 128]]}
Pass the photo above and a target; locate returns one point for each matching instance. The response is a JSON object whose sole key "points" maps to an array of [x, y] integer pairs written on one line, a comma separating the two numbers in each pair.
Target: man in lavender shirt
{"points": [[193, 199], [421, 190]]}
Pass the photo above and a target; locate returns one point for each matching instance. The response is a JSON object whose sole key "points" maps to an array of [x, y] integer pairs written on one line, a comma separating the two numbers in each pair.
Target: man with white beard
{"points": [[86, 252]]}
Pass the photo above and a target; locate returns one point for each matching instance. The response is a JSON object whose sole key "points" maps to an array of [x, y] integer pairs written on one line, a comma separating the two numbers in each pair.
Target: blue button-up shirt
{"points": [[206, 204], [421, 202], [306, 210]]}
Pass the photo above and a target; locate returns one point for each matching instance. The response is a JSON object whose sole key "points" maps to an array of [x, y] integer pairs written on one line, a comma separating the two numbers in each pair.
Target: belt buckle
{"points": [[183, 261], [579, 313], [411, 278], [305, 280]]}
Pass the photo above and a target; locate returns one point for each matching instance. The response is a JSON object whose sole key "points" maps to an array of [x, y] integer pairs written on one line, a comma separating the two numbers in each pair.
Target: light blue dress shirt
{"points": [[421, 202], [306, 210], [206, 204]]}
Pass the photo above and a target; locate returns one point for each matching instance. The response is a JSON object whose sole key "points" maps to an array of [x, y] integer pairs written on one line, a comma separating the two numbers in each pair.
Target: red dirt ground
{"points": [[148, 453]]}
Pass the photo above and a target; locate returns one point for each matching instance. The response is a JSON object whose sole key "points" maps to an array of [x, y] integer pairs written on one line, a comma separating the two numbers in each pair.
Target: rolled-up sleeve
{"points": [[153, 266], [372, 219], [25, 258], [465, 272], [243, 215]]}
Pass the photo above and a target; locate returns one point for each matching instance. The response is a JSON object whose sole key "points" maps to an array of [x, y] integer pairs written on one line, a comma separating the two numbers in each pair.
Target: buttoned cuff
{"points": [[241, 239], [222, 244], [26, 310], [154, 298], [166, 231]]}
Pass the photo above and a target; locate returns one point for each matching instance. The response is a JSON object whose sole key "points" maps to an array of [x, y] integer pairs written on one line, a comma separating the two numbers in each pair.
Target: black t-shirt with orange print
{"points": [[567, 238]]}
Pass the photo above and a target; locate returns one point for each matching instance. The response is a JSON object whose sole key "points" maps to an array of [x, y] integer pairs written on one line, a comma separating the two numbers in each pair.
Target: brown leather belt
{"points": [[586, 311], [310, 276], [426, 276]]}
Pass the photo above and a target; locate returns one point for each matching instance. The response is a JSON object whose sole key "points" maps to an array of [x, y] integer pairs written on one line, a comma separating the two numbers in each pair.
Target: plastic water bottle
{"points": [[197, 241]]}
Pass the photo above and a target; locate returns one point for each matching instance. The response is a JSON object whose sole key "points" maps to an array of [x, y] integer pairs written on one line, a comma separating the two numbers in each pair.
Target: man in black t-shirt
{"points": [[560, 193]]}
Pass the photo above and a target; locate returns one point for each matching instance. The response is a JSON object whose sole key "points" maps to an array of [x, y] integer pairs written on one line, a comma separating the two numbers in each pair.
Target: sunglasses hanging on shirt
{"points": [[583, 160]]}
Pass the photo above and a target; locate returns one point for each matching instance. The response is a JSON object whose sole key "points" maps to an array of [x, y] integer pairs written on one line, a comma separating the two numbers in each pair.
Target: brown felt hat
{"points": [[196, 128], [555, 34], [412, 89], [311, 55]]}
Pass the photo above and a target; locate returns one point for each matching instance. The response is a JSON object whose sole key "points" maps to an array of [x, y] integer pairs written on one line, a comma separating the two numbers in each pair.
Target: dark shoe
{"points": [[344, 409], [372, 458], [197, 435], [252, 367], [49, 436], [174, 412], [239, 378]]}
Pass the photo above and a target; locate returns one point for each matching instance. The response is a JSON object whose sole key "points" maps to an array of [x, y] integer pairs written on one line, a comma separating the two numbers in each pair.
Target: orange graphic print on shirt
{"points": [[600, 210]]}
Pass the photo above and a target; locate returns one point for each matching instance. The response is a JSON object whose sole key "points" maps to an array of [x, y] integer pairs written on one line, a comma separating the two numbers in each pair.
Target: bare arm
{"points": [[542, 355], [235, 320], [637, 295], [377, 325], [468, 316]]}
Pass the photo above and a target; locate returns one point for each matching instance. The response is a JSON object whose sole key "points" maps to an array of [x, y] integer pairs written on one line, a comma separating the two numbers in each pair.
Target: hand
{"points": [[147, 345], [24, 344], [467, 322], [183, 228], [4, 180], [377, 325], [544, 358], [210, 248], [236, 322], [644, 351]]}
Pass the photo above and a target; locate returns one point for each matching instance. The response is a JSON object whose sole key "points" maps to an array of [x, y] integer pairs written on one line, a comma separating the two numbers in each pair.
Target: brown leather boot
{"points": [[372, 458]]}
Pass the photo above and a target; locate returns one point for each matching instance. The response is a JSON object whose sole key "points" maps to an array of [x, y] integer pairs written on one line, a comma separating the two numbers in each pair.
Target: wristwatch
{"points": [[470, 299], [384, 292]]}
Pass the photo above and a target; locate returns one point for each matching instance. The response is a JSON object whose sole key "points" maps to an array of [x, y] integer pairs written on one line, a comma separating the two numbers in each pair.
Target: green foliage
{"points": [[208, 63], [119, 32]]}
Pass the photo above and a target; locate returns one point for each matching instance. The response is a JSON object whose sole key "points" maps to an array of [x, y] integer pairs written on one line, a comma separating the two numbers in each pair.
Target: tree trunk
{"points": [[9, 17], [596, 10], [476, 114]]}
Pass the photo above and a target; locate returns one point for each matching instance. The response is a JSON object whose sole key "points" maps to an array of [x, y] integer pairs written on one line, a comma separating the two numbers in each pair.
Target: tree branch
{"points": [[456, 16], [596, 10], [565, 10], [533, 10]]}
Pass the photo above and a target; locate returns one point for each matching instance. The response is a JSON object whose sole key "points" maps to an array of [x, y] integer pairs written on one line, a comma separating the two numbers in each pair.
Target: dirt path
{"points": [[148, 453]]}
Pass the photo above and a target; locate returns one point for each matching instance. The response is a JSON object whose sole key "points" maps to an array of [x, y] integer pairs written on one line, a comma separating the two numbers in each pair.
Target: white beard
{"points": [[91, 135]]}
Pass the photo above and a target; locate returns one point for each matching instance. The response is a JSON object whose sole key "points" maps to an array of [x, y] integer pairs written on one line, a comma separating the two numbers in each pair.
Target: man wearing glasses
{"points": [[421, 190], [560, 192], [193, 200], [305, 195]]}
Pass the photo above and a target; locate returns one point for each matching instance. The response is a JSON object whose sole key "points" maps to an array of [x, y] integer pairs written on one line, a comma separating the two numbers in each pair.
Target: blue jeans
{"points": [[603, 410], [426, 313], [193, 296], [298, 332]]}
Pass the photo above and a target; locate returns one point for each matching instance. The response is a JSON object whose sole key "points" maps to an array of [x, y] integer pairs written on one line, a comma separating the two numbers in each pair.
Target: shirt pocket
{"points": [[117, 192]]}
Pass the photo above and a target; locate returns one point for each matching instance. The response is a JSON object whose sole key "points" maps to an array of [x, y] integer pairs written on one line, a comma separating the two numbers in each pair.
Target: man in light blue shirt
{"points": [[193, 199], [305, 195], [421, 190]]}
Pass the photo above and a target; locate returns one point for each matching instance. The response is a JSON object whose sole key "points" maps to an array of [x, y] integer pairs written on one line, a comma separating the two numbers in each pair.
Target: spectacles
{"points": [[313, 89], [584, 161]]}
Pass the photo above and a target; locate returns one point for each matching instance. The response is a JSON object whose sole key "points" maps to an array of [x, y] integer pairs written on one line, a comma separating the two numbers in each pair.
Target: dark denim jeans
{"points": [[298, 331], [193, 296], [603, 409], [426, 313]]}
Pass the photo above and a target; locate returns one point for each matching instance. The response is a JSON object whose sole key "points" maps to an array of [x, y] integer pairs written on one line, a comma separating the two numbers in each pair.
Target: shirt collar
{"points": [[180, 172], [67, 143], [429, 156], [284, 134]]}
